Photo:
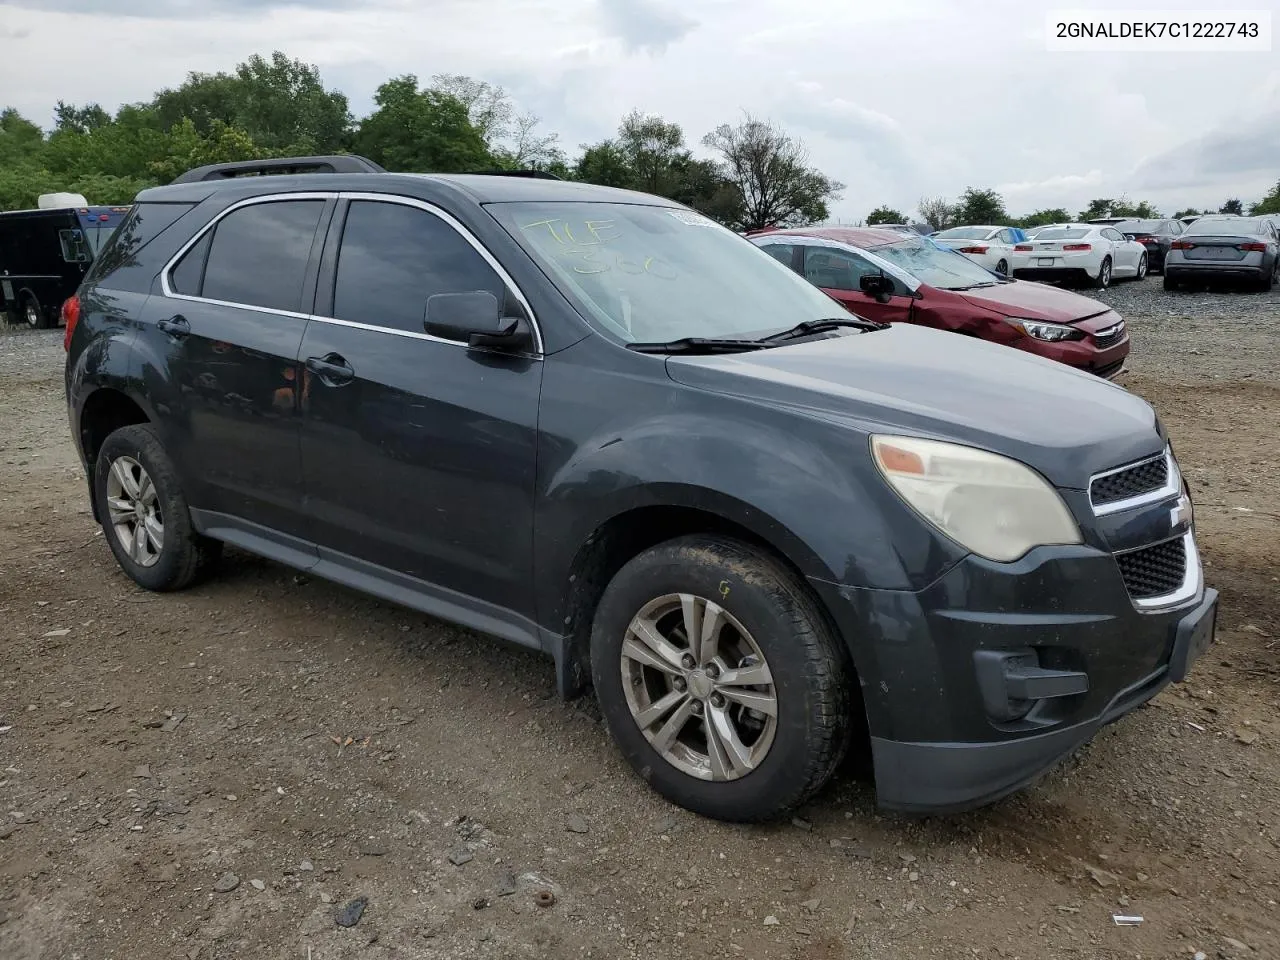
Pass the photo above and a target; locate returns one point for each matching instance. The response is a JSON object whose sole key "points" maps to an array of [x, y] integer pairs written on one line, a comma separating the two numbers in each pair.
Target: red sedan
{"points": [[894, 277]]}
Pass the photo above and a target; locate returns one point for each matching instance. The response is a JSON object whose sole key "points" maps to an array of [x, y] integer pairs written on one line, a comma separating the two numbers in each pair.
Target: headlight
{"points": [[1045, 331], [994, 506]]}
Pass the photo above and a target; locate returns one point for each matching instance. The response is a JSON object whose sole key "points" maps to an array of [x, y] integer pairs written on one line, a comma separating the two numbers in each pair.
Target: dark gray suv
{"points": [[595, 423]]}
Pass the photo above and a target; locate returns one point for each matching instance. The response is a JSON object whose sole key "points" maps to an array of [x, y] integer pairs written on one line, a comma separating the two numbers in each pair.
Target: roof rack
{"points": [[533, 174], [338, 163]]}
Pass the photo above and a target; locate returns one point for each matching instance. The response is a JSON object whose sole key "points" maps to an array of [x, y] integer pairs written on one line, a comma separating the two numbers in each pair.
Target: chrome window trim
{"points": [[423, 205], [1172, 485], [1192, 581]]}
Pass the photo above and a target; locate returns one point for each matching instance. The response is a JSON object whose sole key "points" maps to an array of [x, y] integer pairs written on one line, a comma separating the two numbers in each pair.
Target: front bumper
{"points": [[940, 740]]}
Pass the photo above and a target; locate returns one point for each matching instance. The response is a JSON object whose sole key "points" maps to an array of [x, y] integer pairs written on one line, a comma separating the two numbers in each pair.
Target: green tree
{"points": [[420, 131], [21, 141], [1268, 204], [514, 139], [1232, 206], [770, 173], [1189, 212], [68, 117], [980, 207], [1096, 209], [1041, 217], [280, 103], [885, 214], [603, 163], [654, 151], [937, 212]]}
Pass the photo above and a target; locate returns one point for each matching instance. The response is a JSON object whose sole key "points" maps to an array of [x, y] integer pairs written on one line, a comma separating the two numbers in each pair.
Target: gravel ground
{"points": [[218, 773]]}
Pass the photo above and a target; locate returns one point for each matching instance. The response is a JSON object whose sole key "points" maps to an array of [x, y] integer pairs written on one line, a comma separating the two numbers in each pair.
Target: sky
{"points": [[897, 100]]}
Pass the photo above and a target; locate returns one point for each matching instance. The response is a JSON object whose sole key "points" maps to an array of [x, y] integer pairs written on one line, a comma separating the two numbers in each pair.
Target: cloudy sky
{"points": [[898, 100]]}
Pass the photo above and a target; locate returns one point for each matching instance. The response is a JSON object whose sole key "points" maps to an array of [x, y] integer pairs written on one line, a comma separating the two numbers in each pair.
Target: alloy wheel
{"points": [[134, 506], [699, 688], [32, 314]]}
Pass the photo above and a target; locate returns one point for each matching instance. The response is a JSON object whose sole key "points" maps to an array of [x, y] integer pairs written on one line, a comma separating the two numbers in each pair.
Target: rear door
{"points": [[837, 273], [418, 452], [220, 348]]}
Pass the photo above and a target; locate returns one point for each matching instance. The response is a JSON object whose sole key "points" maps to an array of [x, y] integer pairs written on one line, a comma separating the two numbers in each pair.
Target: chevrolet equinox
{"points": [[597, 424]]}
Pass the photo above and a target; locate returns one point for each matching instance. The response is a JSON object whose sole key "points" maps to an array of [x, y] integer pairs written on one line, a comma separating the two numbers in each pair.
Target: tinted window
{"points": [[185, 277], [963, 233], [1230, 226], [1062, 233], [780, 252], [836, 269], [394, 257], [259, 254]]}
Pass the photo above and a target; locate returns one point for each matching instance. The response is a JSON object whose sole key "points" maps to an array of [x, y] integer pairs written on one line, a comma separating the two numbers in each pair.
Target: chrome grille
{"points": [[1154, 571], [1129, 482], [1110, 336]]}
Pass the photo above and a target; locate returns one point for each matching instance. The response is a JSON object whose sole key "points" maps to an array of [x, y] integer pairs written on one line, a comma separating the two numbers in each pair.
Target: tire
{"points": [[1002, 268], [178, 555], [1142, 268], [1169, 282], [33, 314], [1103, 280], [1267, 283], [762, 612]]}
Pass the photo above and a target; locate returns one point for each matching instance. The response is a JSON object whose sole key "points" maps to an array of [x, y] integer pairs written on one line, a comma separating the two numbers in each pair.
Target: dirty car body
{"points": [[624, 416]]}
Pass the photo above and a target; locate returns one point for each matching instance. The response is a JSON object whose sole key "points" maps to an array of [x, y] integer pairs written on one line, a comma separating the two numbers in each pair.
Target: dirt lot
{"points": [[322, 747]]}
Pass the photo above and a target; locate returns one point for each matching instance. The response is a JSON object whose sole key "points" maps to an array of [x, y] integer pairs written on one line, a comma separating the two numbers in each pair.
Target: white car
{"points": [[990, 247], [1089, 253]]}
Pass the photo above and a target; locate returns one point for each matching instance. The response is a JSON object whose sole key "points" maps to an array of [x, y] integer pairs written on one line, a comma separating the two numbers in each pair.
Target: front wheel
{"points": [[719, 679], [144, 512], [1103, 280]]}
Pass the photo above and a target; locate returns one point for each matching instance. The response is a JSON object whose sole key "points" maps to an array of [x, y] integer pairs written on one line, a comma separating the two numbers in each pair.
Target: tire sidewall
{"points": [[1104, 273], [142, 444], [1142, 267], [684, 568]]}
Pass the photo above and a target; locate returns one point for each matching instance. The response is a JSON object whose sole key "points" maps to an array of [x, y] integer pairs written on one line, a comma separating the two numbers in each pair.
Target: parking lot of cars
{"points": [[214, 773]]}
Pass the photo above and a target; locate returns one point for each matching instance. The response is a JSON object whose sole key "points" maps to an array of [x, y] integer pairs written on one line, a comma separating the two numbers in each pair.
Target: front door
{"points": [[838, 272], [220, 355], [418, 453]]}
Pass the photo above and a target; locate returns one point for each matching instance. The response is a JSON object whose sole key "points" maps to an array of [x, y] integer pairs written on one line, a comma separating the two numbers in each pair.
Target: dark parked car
{"points": [[597, 424], [1156, 235], [929, 284], [1225, 248]]}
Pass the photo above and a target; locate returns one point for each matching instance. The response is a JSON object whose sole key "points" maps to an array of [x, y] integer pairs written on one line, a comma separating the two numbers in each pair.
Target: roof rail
{"points": [[533, 174], [338, 163]]}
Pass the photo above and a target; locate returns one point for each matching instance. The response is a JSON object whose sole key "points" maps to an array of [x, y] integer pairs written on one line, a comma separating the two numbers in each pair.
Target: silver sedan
{"points": [[1225, 248]]}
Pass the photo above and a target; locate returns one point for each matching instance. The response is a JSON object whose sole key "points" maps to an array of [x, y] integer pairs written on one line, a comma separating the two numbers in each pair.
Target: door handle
{"points": [[332, 369], [175, 326]]}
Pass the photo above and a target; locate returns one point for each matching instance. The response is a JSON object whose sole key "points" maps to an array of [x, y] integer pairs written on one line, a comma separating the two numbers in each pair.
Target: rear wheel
{"points": [[1142, 267], [1103, 280], [33, 313], [1169, 282], [1002, 268], [144, 513], [719, 679], [1269, 281]]}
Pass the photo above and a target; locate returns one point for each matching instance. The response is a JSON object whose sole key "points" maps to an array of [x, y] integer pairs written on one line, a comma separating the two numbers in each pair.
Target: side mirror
{"points": [[476, 319], [877, 285]]}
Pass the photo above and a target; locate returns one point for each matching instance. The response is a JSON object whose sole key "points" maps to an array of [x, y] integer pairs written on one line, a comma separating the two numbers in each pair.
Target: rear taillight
{"points": [[1151, 241], [1024, 248], [1181, 245], [1076, 246], [70, 317], [1255, 247], [972, 250]]}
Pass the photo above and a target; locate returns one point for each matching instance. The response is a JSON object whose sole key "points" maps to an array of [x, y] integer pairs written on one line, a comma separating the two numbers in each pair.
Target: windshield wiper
{"points": [[696, 345], [806, 327], [975, 286]]}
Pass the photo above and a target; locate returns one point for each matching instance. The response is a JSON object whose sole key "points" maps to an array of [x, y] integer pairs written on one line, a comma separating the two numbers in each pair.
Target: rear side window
{"points": [[393, 257], [781, 252], [258, 256]]}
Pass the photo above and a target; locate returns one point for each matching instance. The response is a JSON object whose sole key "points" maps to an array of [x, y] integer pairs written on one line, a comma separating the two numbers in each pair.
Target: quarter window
{"points": [[257, 257], [393, 257]]}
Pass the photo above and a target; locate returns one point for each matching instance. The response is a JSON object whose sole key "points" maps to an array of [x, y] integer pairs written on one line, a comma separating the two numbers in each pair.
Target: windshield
{"points": [[963, 233], [1062, 233], [934, 265], [653, 274]]}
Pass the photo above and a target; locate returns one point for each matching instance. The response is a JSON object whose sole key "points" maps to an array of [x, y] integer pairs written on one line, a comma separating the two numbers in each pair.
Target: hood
{"points": [[1064, 423], [1034, 301]]}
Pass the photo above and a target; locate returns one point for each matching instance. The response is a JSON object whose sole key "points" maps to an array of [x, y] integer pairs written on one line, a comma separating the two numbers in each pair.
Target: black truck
{"points": [[44, 255]]}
